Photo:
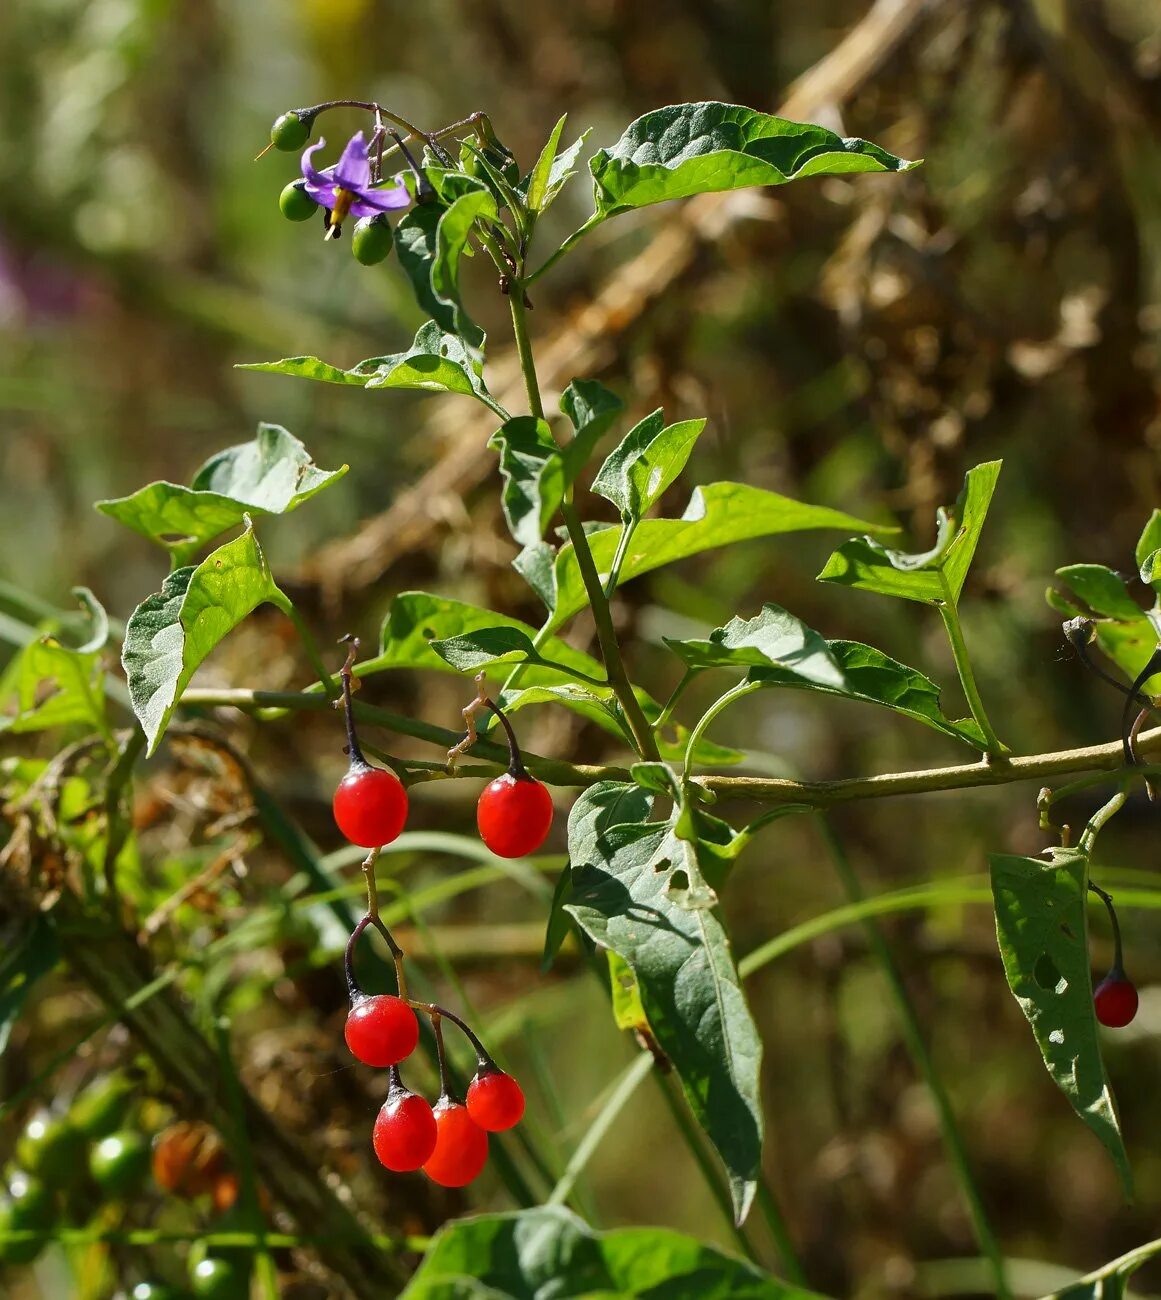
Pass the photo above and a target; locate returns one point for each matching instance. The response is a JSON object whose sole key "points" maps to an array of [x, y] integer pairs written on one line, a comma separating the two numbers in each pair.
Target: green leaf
{"points": [[418, 246], [536, 187], [1112, 1281], [1151, 569], [451, 237], [436, 362], [934, 576], [271, 475], [29, 955], [772, 639], [686, 149], [592, 408], [647, 461], [628, 1013], [533, 471], [1042, 927], [52, 686], [684, 969], [547, 1253], [1150, 539], [717, 515], [1102, 590], [872, 677], [169, 634], [487, 648]]}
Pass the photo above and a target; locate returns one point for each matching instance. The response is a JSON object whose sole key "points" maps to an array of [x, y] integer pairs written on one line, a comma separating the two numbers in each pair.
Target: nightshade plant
{"points": [[650, 848]]}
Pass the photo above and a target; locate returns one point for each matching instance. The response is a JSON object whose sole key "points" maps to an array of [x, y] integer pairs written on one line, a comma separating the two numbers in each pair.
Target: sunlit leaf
{"points": [[935, 576], [1112, 1281], [49, 685], [1149, 541], [1102, 590], [533, 471], [592, 409], [1042, 927], [773, 638], [649, 458]]}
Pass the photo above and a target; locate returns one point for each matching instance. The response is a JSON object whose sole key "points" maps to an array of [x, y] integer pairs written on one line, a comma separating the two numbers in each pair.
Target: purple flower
{"points": [[346, 187]]}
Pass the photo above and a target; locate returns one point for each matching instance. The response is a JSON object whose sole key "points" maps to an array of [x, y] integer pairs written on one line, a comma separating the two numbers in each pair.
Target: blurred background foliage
{"points": [[856, 343]]}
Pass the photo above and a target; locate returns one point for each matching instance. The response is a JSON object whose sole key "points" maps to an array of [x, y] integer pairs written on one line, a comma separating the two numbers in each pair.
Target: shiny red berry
{"points": [[514, 815], [381, 1030], [461, 1146], [1115, 999], [370, 806], [405, 1132], [495, 1100]]}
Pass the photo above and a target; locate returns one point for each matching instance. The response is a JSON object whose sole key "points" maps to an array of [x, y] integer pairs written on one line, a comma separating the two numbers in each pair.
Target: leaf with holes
{"points": [[169, 634], [271, 475], [533, 471], [935, 576], [1042, 927], [684, 969], [649, 458]]}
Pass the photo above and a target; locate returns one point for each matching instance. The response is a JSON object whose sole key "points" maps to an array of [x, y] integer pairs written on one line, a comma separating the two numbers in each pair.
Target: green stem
{"points": [[963, 666], [309, 644], [1102, 815], [674, 695], [606, 633], [913, 1037], [627, 531], [737, 692], [772, 1213]]}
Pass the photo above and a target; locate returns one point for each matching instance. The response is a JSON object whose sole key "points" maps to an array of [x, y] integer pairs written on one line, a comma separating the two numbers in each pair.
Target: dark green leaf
{"points": [[559, 920], [547, 1253], [169, 634], [1042, 927], [684, 968], [592, 408], [688, 149], [935, 576], [1102, 590], [49, 685], [272, 475], [717, 515], [647, 461], [451, 237], [533, 471], [417, 243], [28, 956], [489, 646], [875, 678], [436, 363], [772, 639]]}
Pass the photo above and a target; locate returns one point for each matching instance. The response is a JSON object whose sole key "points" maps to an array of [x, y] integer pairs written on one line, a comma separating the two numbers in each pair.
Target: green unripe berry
{"points": [[155, 1291], [53, 1150], [102, 1107], [219, 1279], [119, 1163], [290, 131], [295, 203], [28, 1207], [372, 240]]}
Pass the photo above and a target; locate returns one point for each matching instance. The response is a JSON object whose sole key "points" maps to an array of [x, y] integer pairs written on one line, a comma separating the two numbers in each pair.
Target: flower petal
{"points": [[323, 194], [353, 170], [386, 199], [308, 169]]}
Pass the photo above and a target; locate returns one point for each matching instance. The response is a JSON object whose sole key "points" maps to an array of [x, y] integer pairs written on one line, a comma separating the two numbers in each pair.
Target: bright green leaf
{"points": [[717, 515], [651, 455], [688, 149], [49, 685], [486, 648], [872, 677], [271, 475], [436, 363], [772, 639], [1042, 927], [628, 1013], [28, 956], [547, 1253], [533, 471], [934, 577], [451, 237], [536, 187], [592, 408], [1150, 539], [1102, 590], [684, 968], [169, 634], [1151, 569]]}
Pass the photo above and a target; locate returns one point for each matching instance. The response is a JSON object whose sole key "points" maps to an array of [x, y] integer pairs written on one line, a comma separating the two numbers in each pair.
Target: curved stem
{"points": [[515, 762], [1105, 813], [1118, 953], [354, 752], [737, 692], [963, 666]]}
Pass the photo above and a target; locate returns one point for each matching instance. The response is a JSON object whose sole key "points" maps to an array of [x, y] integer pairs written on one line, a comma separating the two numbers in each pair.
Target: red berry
{"points": [[495, 1100], [370, 806], [1115, 999], [461, 1146], [514, 815], [381, 1030], [405, 1131]]}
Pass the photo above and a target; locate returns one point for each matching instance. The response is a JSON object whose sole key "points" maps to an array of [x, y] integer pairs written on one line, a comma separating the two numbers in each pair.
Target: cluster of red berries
{"points": [[447, 1140], [514, 814], [1115, 997]]}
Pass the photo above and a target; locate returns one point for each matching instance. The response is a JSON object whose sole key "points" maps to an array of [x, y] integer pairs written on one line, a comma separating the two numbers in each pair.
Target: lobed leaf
{"points": [[271, 475], [548, 1253], [935, 576], [683, 965], [651, 455], [687, 149], [534, 480], [169, 634], [1042, 927]]}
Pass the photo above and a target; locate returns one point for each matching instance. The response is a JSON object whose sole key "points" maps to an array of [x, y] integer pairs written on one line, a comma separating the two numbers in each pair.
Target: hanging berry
{"points": [[405, 1129], [1115, 997], [370, 804], [514, 814], [461, 1146], [495, 1100]]}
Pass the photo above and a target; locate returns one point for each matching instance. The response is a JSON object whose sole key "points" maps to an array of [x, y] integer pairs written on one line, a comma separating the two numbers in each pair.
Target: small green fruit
{"points": [[295, 203], [28, 1207], [52, 1149], [156, 1291], [119, 1163], [102, 1107], [219, 1279], [372, 240], [290, 131]]}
